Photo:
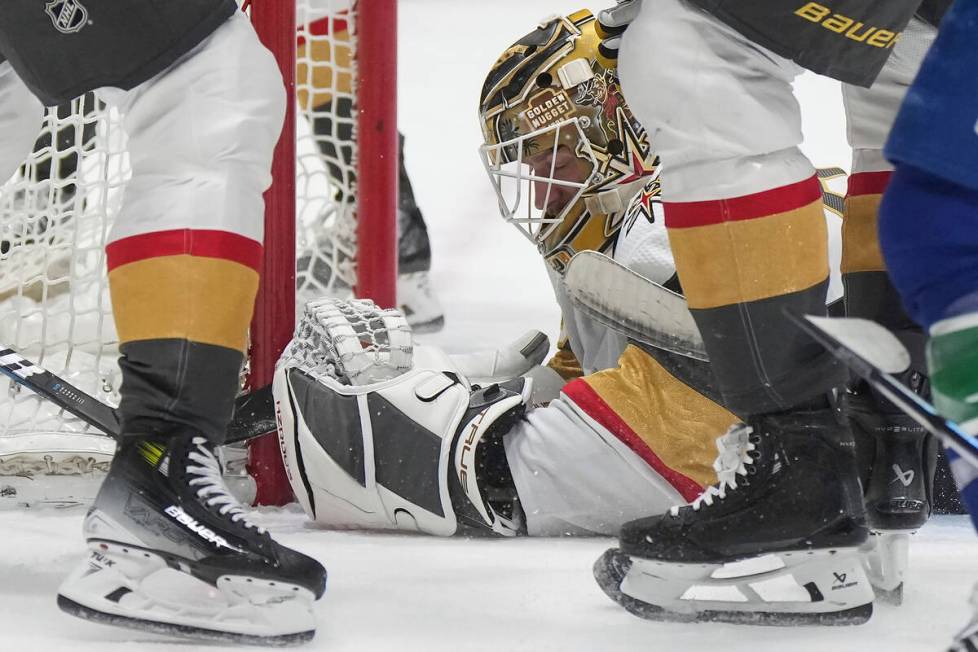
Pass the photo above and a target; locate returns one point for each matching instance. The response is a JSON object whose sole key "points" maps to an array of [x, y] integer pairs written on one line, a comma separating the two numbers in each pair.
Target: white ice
{"points": [[409, 593]]}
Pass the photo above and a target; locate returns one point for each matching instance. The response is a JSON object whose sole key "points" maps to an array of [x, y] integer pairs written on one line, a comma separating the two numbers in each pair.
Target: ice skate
{"points": [[171, 552], [775, 541], [897, 458]]}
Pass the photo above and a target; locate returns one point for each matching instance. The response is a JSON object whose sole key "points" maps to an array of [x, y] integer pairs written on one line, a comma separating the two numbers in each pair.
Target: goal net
{"points": [[56, 213]]}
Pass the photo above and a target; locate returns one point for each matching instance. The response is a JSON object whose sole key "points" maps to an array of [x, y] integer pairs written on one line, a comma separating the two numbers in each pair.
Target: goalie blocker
{"points": [[377, 433]]}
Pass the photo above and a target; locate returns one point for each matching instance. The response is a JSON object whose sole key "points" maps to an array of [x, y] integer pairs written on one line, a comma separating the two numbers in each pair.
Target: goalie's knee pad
{"points": [[412, 448]]}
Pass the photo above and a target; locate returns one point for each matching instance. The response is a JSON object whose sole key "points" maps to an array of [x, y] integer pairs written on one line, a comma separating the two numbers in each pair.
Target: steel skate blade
{"points": [[890, 596], [836, 591], [183, 631], [136, 588], [609, 571]]}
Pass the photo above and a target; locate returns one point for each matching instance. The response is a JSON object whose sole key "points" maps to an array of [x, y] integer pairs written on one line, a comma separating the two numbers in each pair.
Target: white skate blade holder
{"points": [[137, 588], [800, 582], [885, 559]]}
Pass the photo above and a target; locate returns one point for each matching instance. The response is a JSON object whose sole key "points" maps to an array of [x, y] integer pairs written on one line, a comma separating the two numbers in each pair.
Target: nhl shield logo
{"points": [[68, 16]]}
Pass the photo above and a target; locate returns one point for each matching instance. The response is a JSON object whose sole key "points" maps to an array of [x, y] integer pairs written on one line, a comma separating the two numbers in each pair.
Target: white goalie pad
{"points": [[369, 425]]}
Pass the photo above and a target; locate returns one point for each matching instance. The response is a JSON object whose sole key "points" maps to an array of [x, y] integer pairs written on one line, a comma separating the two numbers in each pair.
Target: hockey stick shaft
{"points": [[909, 402], [253, 413], [60, 392]]}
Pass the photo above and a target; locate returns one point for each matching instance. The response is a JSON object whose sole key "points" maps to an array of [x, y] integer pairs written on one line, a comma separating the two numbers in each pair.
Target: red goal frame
{"points": [[375, 25]]}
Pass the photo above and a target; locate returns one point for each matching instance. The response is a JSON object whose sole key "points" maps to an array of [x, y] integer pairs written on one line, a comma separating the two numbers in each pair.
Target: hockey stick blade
{"points": [[871, 341], [254, 413], [637, 307], [843, 341]]}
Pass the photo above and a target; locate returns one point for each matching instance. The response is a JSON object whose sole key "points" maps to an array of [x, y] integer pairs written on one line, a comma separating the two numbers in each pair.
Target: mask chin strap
{"points": [[614, 200]]}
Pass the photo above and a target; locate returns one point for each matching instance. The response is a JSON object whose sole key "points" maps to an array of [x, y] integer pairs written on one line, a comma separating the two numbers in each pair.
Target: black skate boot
{"points": [[774, 542], [897, 459], [171, 552]]}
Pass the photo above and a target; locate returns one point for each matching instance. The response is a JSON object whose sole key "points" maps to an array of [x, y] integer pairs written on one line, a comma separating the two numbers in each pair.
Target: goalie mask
{"points": [[562, 148]]}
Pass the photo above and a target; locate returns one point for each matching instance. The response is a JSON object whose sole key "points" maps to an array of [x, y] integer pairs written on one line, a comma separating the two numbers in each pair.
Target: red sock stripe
{"points": [[868, 183], [591, 402], [681, 215], [201, 243]]}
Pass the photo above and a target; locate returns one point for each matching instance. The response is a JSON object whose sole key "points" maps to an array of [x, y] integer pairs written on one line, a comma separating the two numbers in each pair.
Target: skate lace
{"points": [[734, 460], [211, 487]]}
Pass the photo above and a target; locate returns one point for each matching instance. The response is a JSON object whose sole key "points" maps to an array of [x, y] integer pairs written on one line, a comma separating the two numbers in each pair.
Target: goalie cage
{"points": [[339, 56]]}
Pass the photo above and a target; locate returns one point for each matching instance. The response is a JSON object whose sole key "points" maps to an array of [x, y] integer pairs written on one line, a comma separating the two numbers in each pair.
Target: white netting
{"points": [[326, 152], [54, 302], [351, 341], [56, 212]]}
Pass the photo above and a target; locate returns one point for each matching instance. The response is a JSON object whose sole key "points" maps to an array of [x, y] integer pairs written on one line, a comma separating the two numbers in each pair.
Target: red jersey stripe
{"points": [[868, 183], [683, 215], [202, 243], [591, 402]]}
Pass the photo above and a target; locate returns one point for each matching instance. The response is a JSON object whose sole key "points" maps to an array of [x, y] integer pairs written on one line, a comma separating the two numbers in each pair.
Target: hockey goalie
{"points": [[380, 433]]}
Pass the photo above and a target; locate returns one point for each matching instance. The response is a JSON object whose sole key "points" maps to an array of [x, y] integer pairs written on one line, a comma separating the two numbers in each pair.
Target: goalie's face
{"points": [[562, 165], [540, 178]]}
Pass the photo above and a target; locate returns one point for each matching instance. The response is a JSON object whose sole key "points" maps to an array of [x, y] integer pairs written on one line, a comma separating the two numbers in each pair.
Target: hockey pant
{"points": [[185, 248], [616, 445], [742, 203]]}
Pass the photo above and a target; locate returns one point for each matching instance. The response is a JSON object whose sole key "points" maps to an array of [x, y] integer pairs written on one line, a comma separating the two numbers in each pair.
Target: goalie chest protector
{"points": [[65, 48], [848, 40]]}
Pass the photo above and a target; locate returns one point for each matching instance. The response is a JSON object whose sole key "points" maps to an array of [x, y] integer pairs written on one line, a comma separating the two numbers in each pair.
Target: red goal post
{"points": [[372, 25], [331, 229]]}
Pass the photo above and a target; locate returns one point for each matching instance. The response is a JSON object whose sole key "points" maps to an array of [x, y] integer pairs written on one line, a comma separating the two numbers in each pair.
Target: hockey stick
{"points": [[874, 353], [254, 413], [638, 307]]}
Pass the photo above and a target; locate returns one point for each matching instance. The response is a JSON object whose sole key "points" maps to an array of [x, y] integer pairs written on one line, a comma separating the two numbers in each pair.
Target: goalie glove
{"points": [[499, 365], [401, 443]]}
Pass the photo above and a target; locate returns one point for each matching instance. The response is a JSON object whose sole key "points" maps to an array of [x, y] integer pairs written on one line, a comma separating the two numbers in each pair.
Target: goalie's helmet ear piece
{"points": [[562, 148]]}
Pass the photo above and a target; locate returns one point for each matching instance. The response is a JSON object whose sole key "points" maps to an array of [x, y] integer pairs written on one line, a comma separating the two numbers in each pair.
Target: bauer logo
{"points": [[840, 581], [193, 525], [68, 16], [847, 26]]}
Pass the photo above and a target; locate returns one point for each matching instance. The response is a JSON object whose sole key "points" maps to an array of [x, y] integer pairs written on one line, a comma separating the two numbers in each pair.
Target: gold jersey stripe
{"points": [[860, 243], [678, 423], [206, 300], [740, 261]]}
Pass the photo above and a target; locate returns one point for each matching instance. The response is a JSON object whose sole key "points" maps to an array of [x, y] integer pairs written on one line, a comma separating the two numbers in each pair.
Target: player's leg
{"points": [[324, 64], [743, 208], [897, 456], [170, 549], [614, 445], [929, 229], [388, 436]]}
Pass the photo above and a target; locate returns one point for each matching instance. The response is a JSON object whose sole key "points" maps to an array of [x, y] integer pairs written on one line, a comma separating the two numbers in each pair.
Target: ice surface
{"points": [[409, 593], [415, 593]]}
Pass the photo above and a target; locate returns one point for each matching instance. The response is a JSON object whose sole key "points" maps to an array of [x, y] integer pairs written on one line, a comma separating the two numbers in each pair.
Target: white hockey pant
{"points": [[721, 111]]}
